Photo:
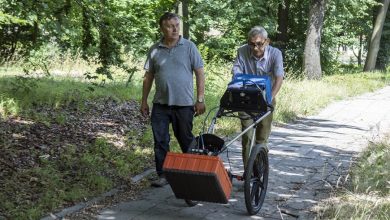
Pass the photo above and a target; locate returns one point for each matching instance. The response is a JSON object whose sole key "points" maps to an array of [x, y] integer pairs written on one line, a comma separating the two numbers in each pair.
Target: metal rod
{"points": [[253, 139], [244, 131]]}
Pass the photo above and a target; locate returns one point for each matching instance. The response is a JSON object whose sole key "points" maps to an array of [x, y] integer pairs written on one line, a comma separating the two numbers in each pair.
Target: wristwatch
{"points": [[200, 100]]}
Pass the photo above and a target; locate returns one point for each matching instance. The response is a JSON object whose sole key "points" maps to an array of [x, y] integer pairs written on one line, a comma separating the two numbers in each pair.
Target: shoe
{"points": [[160, 182]]}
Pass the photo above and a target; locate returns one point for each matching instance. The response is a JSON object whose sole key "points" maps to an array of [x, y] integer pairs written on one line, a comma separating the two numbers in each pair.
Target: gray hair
{"points": [[257, 30]]}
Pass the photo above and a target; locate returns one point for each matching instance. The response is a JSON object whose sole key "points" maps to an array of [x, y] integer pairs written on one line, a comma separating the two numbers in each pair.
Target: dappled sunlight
{"points": [[72, 117], [349, 205], [308, 159], [106, 123], [99, 146], [24, 121], [114, 139], [18, 136], [323, 153], [8, 106], [143, 151], [107, 215], [287, 174], [283, 153], [71, 81]]}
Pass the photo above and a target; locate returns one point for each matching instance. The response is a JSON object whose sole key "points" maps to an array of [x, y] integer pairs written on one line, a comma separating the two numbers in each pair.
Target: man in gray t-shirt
{"points": [[259, 58], [171, 63]]}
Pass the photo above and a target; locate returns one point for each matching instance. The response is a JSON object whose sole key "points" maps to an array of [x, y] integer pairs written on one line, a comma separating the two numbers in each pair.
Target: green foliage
{"points": [[109, 30], [214, 23], [6, 19], [8, 107], [106, 27], [345, 22], [373, 172]]}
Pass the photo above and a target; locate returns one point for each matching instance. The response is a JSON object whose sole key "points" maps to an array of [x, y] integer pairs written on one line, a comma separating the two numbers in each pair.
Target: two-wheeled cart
{"points": [[199, 175]]}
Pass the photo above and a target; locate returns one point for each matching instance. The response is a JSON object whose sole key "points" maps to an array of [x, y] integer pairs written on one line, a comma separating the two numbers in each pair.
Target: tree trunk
{"points": [[384, 47], [87, 36], [360, 49], [311, 59], [283, 11], [376, 37], [182, 11], [186, 25]]}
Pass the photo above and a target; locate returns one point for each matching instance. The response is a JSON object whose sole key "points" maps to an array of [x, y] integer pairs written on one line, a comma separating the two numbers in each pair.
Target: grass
{"points": [[367, 195], [307, 97], [18, 94], [73, 177], [81, 174]]}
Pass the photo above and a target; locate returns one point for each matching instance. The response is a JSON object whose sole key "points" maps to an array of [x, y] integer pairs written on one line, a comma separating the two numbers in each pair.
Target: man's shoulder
{"points": [[186, 42], [155, 46], [274, 49], [244, 50], [243, 47]]}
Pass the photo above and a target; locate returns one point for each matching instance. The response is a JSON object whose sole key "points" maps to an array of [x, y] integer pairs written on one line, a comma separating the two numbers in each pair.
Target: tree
{"points": [[384, 50], [13, 31], [283, 17], [376, 37], [311, 60], [182, 11]]}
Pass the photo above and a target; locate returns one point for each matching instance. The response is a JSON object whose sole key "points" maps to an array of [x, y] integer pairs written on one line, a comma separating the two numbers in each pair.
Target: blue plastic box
{"points": [[263, 82]]}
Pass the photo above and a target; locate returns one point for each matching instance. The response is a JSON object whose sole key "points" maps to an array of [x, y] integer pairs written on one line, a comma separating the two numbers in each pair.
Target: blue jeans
{"points": [[181, 118]]}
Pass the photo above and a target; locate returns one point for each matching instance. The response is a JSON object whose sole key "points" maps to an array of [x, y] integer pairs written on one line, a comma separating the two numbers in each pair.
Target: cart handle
{"points": [[243, 132]]}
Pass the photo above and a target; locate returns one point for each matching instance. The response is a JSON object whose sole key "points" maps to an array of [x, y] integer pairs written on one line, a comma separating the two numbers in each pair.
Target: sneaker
{"points": [[160, 182]]}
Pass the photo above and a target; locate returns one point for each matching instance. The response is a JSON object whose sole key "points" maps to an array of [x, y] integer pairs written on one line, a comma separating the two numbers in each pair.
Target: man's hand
{"points": [[146, 86], [144, 109], [200, 108]]}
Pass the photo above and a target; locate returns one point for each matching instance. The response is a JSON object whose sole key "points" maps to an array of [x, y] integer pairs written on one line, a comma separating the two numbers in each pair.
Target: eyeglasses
{"points": [[257, 44]]}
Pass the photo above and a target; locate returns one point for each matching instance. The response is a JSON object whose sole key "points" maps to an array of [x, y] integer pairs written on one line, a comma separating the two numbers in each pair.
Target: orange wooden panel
{"points": [[180, 167]]}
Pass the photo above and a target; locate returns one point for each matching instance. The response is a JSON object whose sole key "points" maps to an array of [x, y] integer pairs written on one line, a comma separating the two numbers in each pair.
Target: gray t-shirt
{"points": [[173, 72], [271, 63]]}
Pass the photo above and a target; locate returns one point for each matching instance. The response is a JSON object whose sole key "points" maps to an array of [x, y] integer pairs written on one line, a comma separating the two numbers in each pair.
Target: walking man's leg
{"points": [[160, 125], [182, 124]]}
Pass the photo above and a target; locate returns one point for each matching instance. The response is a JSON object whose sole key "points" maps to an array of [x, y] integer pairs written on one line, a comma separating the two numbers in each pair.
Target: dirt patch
{"points": [[48, 132]]}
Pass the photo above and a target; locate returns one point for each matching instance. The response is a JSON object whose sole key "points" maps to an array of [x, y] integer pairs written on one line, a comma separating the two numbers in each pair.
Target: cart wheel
{"points": [[191, 203], [256, 179]]}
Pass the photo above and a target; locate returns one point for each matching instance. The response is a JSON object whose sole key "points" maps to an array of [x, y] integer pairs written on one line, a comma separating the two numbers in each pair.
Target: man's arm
{"points": [[200, 107], [277, 84], [237, 65], [278, 70], [146, 87]]}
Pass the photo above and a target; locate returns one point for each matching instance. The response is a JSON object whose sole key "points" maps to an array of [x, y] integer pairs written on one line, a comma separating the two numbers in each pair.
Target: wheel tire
{"points": [[191, 203], [256, 179]]}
